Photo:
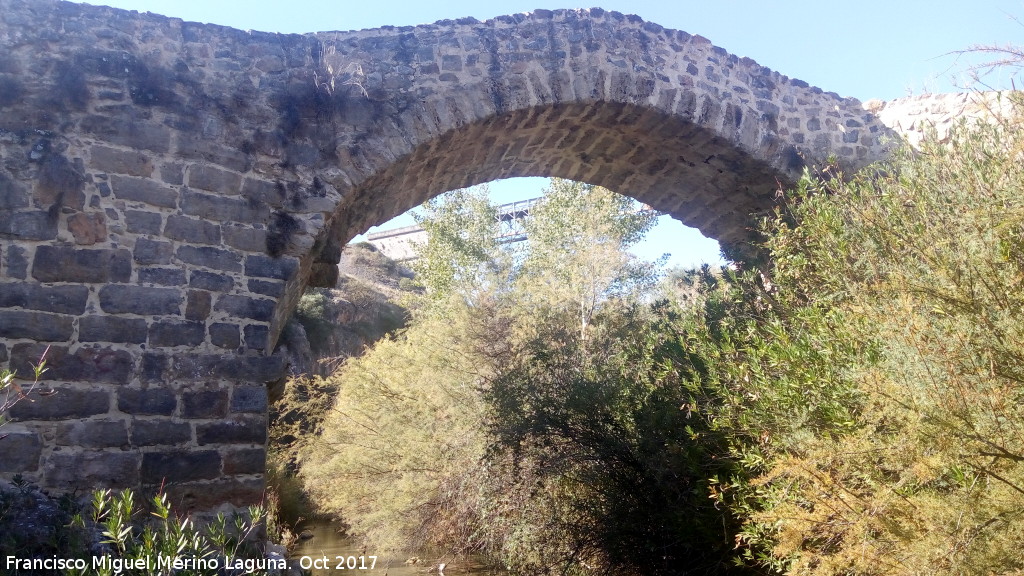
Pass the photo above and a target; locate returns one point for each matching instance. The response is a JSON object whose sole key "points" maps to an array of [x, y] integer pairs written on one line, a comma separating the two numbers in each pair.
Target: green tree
{"points": [[577, 257], [461, 253]]}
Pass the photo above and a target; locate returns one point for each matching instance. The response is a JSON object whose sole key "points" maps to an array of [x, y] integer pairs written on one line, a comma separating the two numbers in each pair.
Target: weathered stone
{"points": [[198, 305], [144, 190], [28, 225], [223, 209], [210, 281], [208, 495], [323, 275], [204, 404], [36, 326], [235, 368], [249, 399], [61, 403], [210, 257], [213, 179], [266, 267], [180, 466], [256, 336], [245, 461], [245, 238], [266, 288], [239, 430], [93, 434], [88, 229], [154, 401], [143, 222], [129, 162], [162, 276], [129, 133], [152, 251], [17, 263], [245, 307], [225, 335], [59, 184], [67, 264], [121, 299], [160, 433], [21, 451], [84, 471], [60, 299], [170, 333], [111, 329], [192, 230]]}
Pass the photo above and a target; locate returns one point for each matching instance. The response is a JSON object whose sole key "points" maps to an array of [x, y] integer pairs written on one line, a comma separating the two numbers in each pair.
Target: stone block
{"points": [[267, 288], [125, 131], [213, 179], [69, 264], [93, 434], [162, 276], [265, 192], [12, 194], [160, 433], [180, 466], [210, 281], [225, 335], [256, 336], [88, 229], [21, 451], [204, 404], [209, 495], [131, 162], [28, 225], [249, 399], [258, 309], [222, 209], [197, 306], [63, 403], [169, 333], [245, 461], [153, 401], [198, 148], [152, 251], [245, 238], [101, 328], [38, 326], [240, 430], [192, 230], [261, 266], [142, 300], [17, 263], [60, 299], [144, 190], [210, 257], [87, 471], [227, 367]]}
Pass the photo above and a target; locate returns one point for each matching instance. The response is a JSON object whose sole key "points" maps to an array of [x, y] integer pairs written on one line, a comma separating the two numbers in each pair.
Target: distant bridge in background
{"points": [[399, 244]]}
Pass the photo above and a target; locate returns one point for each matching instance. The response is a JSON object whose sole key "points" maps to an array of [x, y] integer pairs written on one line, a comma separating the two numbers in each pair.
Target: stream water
{"points": [[329, 553]]}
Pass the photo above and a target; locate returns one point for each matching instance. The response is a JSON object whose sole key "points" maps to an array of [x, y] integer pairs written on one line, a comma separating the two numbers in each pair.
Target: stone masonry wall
{"points": [[168, 189]]}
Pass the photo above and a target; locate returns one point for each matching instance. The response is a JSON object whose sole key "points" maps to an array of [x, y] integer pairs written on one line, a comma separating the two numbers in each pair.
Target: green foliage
{"points": [[313, 312], [461, 248], [11, 392], [127, 539], [609, 451], [875, 380]]}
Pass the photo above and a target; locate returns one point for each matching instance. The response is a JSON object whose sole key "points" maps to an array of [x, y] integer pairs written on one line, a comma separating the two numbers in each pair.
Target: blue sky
{"points": [[865, 49]]}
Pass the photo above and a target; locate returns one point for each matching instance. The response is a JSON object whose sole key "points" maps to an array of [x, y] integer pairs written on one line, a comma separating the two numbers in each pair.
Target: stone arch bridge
{"points": [[168, 189]]}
